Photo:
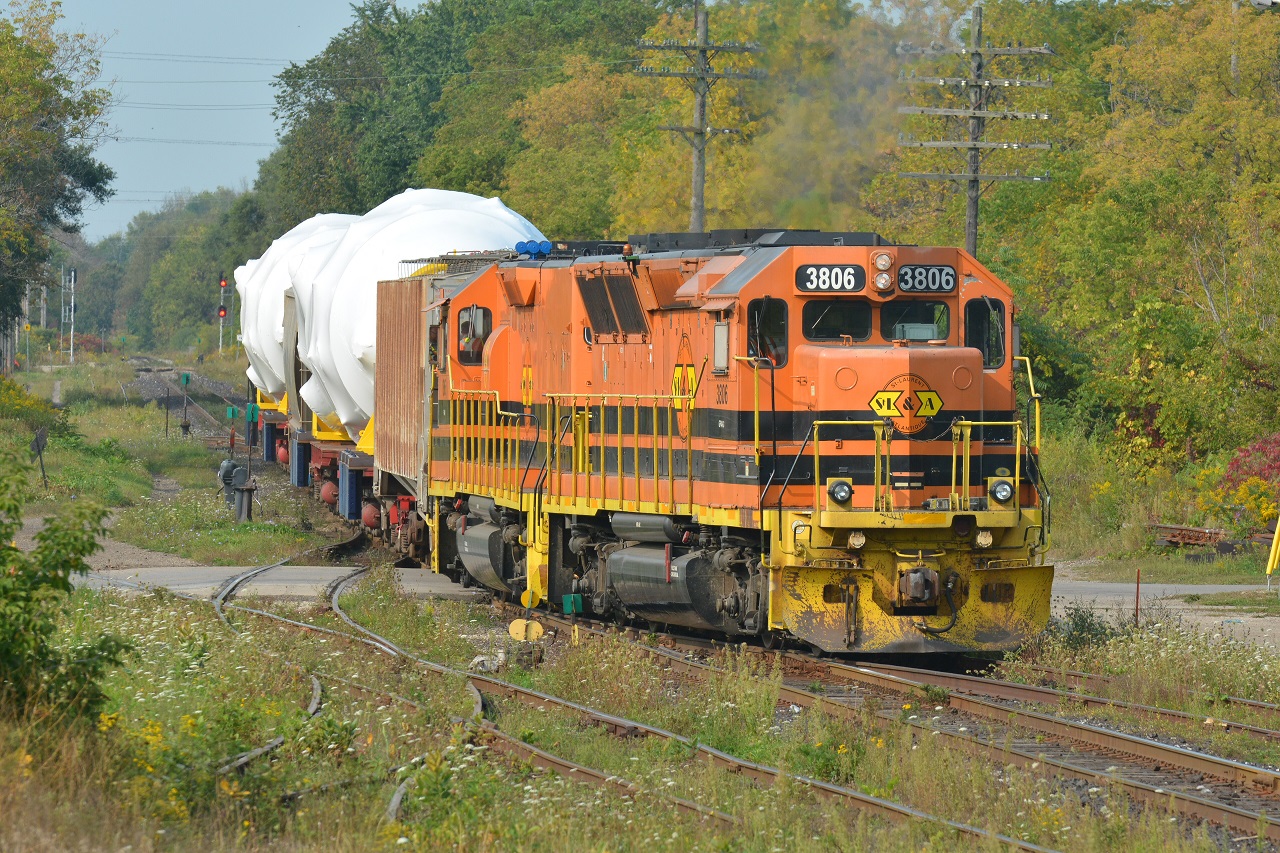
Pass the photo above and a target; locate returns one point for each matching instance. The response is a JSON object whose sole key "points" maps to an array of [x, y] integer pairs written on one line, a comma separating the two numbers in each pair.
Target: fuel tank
{"points": [[482, 551], [681, 590]]}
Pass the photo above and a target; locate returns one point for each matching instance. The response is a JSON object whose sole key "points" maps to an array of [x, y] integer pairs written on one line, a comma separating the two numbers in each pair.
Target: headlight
{"points": [[884, 281], [840, 491], [1001, 491], [883, 261]]}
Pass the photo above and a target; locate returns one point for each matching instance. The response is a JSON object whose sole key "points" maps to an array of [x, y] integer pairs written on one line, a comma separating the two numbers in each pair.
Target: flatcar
{"points": [[798, 436]]}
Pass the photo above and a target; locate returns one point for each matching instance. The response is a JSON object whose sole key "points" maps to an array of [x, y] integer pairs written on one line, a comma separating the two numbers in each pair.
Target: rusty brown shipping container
{"points": [[398, 394]]}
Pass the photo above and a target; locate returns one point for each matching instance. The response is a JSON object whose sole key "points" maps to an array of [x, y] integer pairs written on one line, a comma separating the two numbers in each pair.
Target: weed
{"points": [[936, 695]]}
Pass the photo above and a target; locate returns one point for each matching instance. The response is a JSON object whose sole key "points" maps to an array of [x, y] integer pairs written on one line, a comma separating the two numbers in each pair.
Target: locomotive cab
{"points": [[905, 502]]}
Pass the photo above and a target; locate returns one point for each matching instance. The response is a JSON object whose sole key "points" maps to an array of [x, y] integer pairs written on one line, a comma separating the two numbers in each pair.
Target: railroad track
{"points": [[622, 727], [1098, 684], [1238, 799], [1200, 787], [505, 743], [1028, 693]]}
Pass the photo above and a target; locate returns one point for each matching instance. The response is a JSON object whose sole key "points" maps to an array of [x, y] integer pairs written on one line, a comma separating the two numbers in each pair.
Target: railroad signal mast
{"points": [[67, 315], [699, 76], [978, 87], [222, 308]]}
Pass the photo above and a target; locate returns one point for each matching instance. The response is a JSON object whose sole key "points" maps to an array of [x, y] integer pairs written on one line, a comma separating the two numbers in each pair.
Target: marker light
{"points": [[1001, 491], [840, 491]]}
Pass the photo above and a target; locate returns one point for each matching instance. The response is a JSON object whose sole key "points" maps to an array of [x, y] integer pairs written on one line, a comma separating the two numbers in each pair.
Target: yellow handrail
{"points": [[961, 459], [568, 404], [1031, 385], [884, 436], [755, 369], [962, 431]]}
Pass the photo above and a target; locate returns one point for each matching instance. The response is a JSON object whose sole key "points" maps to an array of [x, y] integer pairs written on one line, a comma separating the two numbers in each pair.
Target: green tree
{"points": [[50, 120], [520, 53]]}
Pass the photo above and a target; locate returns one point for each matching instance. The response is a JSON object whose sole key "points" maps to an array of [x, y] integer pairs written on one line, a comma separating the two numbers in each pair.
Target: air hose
{"points": [[951, 602]]}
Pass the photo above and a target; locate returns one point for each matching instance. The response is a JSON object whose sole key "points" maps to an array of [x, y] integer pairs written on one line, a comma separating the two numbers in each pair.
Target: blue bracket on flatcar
{"points": [[269, 436], [572, 604], [349, 503], [299, 463]]}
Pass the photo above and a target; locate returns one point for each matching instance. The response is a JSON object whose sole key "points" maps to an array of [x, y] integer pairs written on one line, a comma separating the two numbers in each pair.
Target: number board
{"points": [[842, 278], [921, 278]]}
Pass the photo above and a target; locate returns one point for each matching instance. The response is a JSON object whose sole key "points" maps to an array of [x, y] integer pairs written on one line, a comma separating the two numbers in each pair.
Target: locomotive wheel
{"points": [[771, 640]]}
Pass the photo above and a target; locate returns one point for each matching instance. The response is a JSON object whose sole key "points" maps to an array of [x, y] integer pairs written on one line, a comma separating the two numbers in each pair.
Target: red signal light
{"points": [[222, 282], [222, 311]]}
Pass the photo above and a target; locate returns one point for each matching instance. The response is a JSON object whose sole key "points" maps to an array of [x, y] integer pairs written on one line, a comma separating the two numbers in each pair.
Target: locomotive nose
{"points": [[912, 386]]}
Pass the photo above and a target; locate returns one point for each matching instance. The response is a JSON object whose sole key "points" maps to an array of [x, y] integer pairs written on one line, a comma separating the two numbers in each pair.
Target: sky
{"points": [[194, 73]]}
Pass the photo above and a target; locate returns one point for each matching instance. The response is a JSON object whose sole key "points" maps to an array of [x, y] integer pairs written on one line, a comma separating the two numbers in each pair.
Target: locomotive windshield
{"points": [[832, 319], [915, 320]]}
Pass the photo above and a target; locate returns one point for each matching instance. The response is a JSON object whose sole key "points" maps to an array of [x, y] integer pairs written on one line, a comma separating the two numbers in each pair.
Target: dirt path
{"points": [[113, 554]]}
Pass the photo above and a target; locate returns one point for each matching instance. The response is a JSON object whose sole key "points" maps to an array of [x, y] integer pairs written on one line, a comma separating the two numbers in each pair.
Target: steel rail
{"points": [[509, 744], [238, 763], [1266, 781], [888, 809], [1098, 684], [1015, 691], [1190, 805]]}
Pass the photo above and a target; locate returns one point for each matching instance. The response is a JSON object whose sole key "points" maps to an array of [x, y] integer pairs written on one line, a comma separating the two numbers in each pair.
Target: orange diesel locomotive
{"points": [[781, 434]]}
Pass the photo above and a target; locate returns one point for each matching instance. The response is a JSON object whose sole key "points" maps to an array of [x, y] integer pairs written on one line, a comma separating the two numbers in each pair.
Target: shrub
{"points": [[16, 404], [34, 586], [1246, 493]]}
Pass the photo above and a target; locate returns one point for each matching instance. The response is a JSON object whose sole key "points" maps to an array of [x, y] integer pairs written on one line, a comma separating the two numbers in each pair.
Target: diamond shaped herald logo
{"points": [[908, 401]]}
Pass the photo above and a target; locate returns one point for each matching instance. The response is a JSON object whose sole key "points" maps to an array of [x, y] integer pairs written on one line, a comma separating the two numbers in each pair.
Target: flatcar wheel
{"points": [[771, 640]]}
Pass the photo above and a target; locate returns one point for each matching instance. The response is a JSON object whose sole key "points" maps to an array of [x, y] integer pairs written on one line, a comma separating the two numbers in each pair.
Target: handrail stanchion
{"points": [[955, 454], [817, 467]]}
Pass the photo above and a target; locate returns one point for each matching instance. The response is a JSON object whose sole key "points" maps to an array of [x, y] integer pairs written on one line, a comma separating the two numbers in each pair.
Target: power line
{"points": [[137, 56], [191, 141], [196, 56], [367, 77], [195, 108], [183, 104]]}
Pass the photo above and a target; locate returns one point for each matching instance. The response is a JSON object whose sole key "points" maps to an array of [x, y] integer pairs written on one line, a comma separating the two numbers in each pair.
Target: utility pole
{"points": [[699, 76], [73, 316], [978, 87]]}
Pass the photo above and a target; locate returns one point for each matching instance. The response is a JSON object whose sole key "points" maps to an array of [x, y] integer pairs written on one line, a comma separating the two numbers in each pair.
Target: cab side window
{"points": [[984, 329], [767, 330], [474, 325]]}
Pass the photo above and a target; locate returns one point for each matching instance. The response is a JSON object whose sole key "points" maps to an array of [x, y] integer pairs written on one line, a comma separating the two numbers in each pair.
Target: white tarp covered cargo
{"points": [[337, 331], [261, 284]]}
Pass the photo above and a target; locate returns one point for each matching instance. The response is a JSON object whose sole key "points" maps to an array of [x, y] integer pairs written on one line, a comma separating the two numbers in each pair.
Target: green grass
{"points": [[738, 711], [202, 527], [1175, 568], [1262, 602]]}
